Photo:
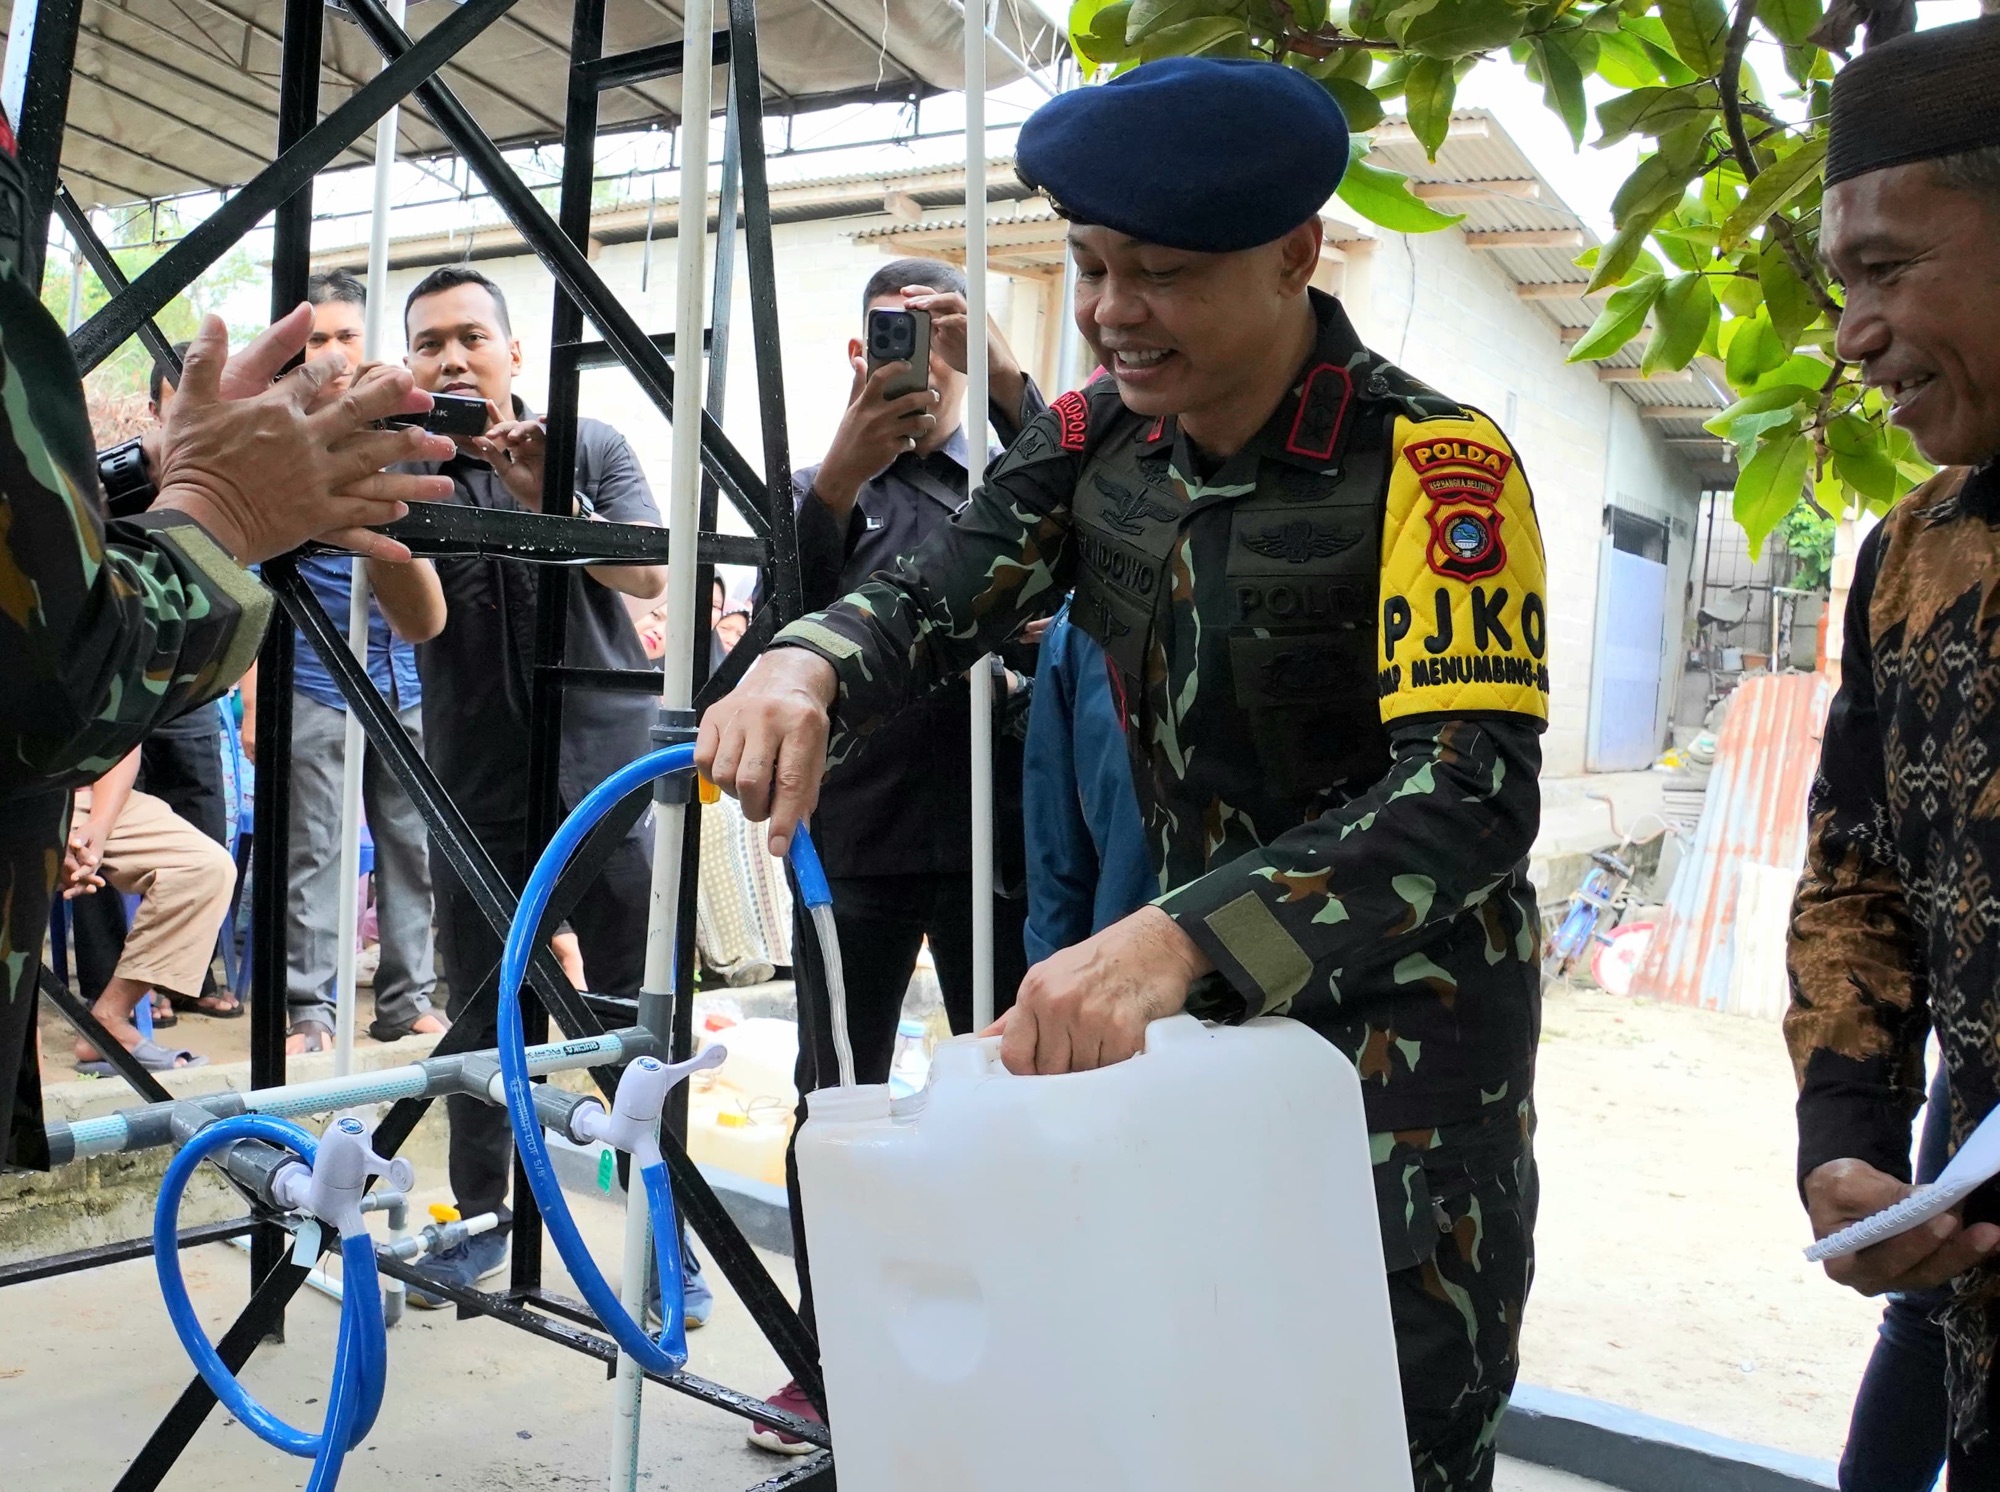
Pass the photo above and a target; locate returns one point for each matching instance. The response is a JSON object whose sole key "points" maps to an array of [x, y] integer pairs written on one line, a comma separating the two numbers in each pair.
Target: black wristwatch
{"points": [[128, 486]]}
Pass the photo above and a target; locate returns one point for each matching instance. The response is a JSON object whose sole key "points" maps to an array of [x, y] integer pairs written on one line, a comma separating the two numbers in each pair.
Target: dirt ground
{"points": [[1670, 1276]]}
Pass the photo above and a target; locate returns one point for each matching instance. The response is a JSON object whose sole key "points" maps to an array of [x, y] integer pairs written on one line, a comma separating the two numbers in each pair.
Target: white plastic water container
{"points": [[1164, 1276]]}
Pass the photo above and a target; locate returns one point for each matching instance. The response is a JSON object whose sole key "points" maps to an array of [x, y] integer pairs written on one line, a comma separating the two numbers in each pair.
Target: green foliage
{"points": [[1808, 534], [1715, 242]]}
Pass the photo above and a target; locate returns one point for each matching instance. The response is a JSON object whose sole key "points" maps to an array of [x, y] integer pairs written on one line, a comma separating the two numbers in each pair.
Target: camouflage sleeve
{"points": [[104, 630], [1860, 1008], [1002, 561], [1373, 882]]}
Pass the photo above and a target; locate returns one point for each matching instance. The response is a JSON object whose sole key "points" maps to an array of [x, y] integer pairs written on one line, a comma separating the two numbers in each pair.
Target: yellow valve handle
{"points": [[706, 791], [443, 1213]]}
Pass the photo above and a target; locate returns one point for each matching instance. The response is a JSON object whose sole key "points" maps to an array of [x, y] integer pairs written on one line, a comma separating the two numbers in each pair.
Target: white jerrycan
{"points": [[1163, 1276]]}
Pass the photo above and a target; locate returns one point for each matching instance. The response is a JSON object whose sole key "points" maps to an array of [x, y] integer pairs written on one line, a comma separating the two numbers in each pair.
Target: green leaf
{"points": [[1791, 21], [1754, 352], [1625, 247], [1680, 250], [1741, 295], [1623, 61], [1149, 16], [1771, 484], [1308, 15], [1463, 27], [1209, 34], [1786, 299], [1800, 368], [1430, 90], [1620, 320], [1655, 111], [1861, 456], [1562, 87], [1091, 50], [1660, 181], [1700, 31], [1779, 182], [1736, 422], [1681, 317], [1361, 107], [1660, 47], [1383, 197]]}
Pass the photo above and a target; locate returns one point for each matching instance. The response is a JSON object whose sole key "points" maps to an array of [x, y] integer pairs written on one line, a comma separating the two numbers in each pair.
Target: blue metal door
{"points": [[1625, 734]]}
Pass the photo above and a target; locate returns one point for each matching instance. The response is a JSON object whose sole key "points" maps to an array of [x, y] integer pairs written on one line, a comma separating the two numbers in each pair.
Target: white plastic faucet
{"points": [[633, 1125], [332, 1189]]}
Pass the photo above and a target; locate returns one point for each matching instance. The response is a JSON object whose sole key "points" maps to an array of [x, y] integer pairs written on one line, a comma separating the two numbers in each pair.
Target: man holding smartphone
{"points": [[893, 825], [476, 676]]}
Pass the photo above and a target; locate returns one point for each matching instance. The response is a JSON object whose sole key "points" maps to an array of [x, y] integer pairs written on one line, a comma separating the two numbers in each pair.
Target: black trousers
{"points": [[1897, 1437], [883, 921], [182, 767], [610, 927]]}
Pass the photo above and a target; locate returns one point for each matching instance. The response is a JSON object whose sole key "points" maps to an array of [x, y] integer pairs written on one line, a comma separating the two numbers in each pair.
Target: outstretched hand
{"points": [[266, 471]]}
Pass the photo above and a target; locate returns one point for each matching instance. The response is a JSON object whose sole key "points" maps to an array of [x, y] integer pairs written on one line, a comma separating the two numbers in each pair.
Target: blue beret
{"points": [[1189, 152]]}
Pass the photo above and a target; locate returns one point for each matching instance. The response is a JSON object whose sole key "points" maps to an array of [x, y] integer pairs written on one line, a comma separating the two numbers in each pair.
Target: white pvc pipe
{"points": [[677, 692], [354, 744], [976, 400]]}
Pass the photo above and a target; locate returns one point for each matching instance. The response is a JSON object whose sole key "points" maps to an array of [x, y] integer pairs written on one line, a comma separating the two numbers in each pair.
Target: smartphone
{"points": [[450, 414], [901, 337]]}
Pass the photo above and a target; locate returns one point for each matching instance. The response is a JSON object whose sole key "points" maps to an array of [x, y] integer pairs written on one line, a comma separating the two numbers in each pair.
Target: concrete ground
{"points": [[88, 1365]]}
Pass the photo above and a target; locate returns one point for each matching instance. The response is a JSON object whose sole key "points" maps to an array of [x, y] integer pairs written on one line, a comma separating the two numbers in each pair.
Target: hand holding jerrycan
{"points": [[1112, 1279]]}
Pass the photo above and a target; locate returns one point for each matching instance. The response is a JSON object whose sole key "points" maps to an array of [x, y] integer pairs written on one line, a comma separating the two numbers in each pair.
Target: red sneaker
{"points": [[791, 1398]]}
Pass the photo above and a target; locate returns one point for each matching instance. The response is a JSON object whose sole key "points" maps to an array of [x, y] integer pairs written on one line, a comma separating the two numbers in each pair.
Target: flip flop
{"points": [[152, 1056], [198, 1005], [167, 1021]]}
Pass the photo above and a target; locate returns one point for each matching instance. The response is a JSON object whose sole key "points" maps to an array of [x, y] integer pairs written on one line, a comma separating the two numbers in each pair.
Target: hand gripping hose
{"points": [[339, 1163], [633, 1121]]}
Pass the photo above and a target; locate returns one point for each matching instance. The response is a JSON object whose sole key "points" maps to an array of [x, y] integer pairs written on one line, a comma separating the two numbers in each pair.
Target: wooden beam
{"points": [[902, 205], [1474, 191], [1556, 290], [1638, 375], [1527, 238], [1569, 336]]}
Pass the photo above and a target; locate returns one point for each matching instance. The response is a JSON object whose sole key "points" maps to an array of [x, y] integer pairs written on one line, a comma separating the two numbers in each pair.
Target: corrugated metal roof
{"points": [[1754, 816]]}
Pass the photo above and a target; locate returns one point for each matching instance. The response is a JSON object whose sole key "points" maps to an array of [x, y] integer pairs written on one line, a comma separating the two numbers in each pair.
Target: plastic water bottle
{"points": [[910, 1068]]}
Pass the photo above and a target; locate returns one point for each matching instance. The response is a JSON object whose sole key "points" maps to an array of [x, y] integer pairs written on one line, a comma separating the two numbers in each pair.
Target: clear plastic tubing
{"points": [[668, 1354]]}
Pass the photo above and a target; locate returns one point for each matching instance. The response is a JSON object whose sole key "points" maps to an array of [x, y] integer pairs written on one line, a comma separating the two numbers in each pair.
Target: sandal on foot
{"points": [[319, 1038], [380, 1031], [152, 1056], [217, 1006]]}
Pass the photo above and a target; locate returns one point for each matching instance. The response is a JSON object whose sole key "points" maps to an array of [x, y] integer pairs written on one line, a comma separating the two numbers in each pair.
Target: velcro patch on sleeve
{"points": [[1464, 624], [1072, 412]]}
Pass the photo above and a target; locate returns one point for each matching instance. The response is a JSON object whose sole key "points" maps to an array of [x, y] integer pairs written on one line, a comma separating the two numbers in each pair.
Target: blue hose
{"points": [[361, 1356], [668, 1353]]}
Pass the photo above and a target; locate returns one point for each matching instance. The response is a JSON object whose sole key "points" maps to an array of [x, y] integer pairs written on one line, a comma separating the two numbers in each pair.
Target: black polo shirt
{"points": [[903, 804], [476, 672]]}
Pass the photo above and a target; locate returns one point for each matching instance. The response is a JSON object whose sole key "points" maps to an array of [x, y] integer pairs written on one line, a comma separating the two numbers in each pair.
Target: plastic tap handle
{"points": [[634, 1121], [340, 1175], [442, 1212]]}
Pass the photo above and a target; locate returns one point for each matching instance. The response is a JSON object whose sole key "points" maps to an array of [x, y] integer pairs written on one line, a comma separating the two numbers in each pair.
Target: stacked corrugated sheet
{"points": [[1720, 942]]}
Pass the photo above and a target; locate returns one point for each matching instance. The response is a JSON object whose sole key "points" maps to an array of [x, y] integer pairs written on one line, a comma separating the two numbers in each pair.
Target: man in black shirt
{"points": [[894, 825], [476, 678]]}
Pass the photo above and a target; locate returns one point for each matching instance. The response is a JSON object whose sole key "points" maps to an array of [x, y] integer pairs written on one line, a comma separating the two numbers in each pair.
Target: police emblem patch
{"points": [[1465, 543]]}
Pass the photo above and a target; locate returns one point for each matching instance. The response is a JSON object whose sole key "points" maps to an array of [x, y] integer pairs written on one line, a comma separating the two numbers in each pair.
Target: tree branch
{"points": [[1731, 83]]}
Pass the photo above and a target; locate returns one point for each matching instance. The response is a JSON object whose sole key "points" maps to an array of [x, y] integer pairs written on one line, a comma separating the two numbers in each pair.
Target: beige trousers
{"points": [[184, 881]]}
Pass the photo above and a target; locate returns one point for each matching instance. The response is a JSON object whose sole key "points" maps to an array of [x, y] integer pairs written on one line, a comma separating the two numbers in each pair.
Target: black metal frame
{"points": [[306, 144]]}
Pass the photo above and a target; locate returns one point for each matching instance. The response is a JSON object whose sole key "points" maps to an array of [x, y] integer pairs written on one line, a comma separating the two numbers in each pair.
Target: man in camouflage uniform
{"points": [[108, 629], [1320, 585]]}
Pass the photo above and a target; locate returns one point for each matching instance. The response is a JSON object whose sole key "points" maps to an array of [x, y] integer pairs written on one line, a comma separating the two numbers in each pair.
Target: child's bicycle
{"points": [[1599, 904]]}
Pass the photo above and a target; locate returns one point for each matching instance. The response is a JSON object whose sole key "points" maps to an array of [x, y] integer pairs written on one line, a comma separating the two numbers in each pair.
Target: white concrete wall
{"points": [[1449, 315]]}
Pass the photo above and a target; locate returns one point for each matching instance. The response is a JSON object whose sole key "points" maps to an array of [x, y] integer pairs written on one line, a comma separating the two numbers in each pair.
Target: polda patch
{"points": [[1466, 544]]}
